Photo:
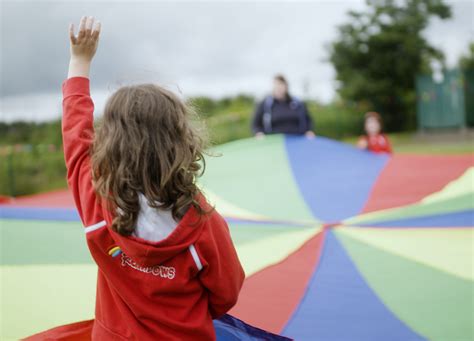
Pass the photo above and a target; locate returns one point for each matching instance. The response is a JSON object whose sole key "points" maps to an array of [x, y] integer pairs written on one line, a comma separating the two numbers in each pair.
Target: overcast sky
{"points": [[195, 48]]}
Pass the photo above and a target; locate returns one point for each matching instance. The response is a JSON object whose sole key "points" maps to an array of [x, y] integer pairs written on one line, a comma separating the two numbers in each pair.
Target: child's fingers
{"points": [[82, 29], [72, 37], [89, 24], [96, 32]]}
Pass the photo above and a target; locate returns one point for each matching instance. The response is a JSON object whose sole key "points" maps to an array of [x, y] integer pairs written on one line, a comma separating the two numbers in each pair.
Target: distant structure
{"points": [[447, 103]]}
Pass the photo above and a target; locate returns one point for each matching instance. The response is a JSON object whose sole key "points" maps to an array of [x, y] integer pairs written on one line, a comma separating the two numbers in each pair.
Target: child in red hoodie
{"points": [[374, 140], [167, 264]]}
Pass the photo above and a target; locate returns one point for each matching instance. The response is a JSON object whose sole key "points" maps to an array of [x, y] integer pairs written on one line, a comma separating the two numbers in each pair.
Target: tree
{"points": [[379, 53], [466, 62]]}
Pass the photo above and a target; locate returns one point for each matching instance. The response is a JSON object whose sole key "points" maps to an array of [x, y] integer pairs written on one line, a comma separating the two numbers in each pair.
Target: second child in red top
{"points": [[374, 140]]}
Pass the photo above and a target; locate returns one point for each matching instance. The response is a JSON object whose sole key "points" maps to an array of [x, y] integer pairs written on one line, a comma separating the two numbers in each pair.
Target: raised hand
{"points": [[83, 46]]}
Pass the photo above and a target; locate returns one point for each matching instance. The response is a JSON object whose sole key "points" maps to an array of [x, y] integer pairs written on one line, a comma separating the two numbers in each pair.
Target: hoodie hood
{"points": [[148, 253]]}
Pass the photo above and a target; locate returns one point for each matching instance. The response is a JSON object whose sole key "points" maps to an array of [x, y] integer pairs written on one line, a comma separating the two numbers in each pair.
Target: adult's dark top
{"points": [[289, 116]]}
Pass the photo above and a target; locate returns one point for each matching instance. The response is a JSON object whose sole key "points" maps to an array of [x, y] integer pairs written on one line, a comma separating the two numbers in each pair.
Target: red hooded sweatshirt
{"points": [[378, 143], [165, 290]]}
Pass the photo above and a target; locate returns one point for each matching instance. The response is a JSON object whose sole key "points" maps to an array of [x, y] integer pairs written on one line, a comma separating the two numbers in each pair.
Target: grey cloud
{"points": [[209, 48]]}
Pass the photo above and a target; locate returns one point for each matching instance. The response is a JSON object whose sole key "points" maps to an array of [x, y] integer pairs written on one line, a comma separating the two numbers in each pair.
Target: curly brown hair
{"points": [[147, 143]]}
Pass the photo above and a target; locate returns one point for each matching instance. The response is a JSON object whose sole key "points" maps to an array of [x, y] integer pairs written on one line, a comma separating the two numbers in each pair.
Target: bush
{"points": [[337, 120], [32, 170]]}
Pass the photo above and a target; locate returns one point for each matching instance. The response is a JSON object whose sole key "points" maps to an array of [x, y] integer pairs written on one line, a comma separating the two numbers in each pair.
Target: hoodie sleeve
{"points": [[78, 132], [222, 274]]}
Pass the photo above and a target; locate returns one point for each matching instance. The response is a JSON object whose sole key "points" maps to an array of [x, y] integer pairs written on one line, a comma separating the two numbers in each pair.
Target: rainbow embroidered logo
{"points": [[115, 251]]}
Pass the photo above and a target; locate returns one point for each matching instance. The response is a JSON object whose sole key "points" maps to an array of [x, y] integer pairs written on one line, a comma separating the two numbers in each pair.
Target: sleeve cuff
{"points": [[76, 86]]}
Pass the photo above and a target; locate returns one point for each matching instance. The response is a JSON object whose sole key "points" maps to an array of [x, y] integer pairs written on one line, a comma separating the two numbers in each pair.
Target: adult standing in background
{"points": [[281, 113]]}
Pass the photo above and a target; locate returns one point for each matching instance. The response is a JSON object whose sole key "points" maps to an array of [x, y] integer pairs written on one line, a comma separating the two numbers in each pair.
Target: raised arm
{"points": [[77, 121]]}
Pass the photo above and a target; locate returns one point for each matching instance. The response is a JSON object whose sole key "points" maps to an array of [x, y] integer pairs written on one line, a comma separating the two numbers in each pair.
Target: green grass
{"points": [[413, 143], [461, 147]]}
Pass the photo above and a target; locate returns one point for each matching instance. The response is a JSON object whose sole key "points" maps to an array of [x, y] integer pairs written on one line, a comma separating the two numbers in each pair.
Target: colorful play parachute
{"points": [[337, 244]]}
